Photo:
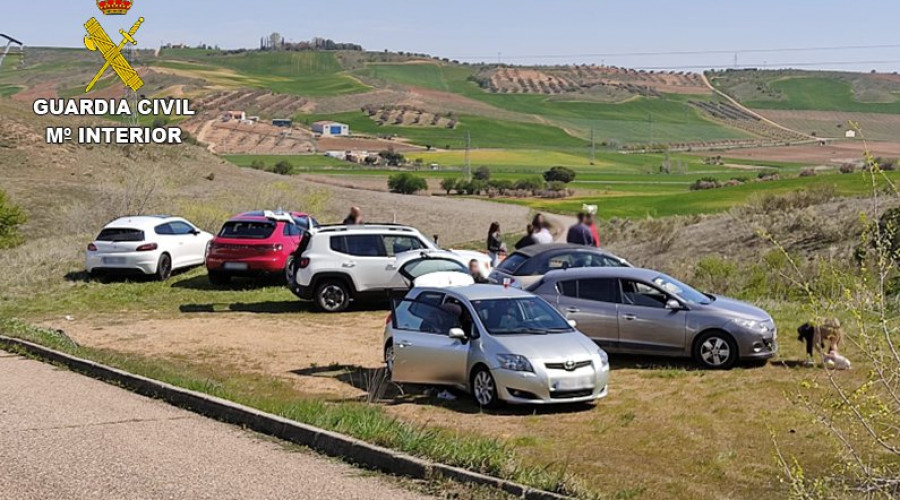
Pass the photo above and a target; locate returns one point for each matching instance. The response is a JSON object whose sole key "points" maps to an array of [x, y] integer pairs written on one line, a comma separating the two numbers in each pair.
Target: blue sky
{"points": [[519, 31]]}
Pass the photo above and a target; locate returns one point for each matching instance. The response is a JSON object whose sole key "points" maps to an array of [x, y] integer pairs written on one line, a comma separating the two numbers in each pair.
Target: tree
{"points": [[449, 184], [530, 184], [283, 167], [392, 158], [275, 41], [560, 174], [406, 183], [258, 164], [482, 174], [11, 217]]}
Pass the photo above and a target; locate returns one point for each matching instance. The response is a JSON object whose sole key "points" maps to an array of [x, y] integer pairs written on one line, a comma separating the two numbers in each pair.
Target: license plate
{"points": [[113, 260], [236, 266], [573, 383]]}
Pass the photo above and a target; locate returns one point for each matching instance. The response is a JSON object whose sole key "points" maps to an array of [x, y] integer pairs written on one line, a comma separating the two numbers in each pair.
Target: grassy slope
{"points": [[630, 121], [301, 73], [823, 94]]}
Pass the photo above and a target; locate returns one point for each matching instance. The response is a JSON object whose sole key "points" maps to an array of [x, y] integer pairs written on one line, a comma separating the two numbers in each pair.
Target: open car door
{"points": [[433, 270]]}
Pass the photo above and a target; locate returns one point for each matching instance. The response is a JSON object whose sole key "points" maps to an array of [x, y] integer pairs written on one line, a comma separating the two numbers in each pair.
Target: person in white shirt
{"points": [[542, 235]]}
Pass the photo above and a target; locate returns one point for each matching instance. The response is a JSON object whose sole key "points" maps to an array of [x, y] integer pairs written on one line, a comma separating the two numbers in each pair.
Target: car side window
{"points": [[554, 262], [359, 245], [164, 229], [180, 228], [400, 244], [599, 290], [640, 294], [432, 298], [416, 316], [568, 288], [292, 230]]}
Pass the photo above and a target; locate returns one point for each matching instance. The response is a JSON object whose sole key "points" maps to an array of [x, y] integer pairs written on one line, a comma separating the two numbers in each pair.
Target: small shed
{"points": [[235, 115], [330, 129], [850, 134]]}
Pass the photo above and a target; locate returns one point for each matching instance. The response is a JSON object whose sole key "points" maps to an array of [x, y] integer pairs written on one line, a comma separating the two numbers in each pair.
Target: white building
{"points": [[330, 129], [850, 134]]}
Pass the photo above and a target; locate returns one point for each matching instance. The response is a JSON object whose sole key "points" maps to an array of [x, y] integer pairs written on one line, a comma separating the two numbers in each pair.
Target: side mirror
{"points": [[457, 334], [573, 323], [674, 305], [195, 232]]}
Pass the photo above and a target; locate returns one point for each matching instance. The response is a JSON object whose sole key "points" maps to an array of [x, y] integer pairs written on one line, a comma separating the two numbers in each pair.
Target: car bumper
{"points": [[760, 349], [143, 262], [246, 265], [545, 386]]}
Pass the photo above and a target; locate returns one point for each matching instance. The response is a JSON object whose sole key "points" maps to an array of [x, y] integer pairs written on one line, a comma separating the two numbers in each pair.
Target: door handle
{"points": [[401, 345], [349, 264], [630, 317], [391, 267], [573, 310]]}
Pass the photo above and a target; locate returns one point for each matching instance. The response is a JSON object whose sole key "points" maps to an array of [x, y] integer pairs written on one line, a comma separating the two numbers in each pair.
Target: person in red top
{"points": [[589, 220]]}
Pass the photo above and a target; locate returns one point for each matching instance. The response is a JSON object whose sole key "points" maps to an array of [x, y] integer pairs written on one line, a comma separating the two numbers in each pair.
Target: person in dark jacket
{"points": [[580, 233], [495, 244], [354, 218], [528, 239]]}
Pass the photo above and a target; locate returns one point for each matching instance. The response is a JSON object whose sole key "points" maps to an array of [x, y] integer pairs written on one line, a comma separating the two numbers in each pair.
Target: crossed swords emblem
{"points": [[98, 40]]}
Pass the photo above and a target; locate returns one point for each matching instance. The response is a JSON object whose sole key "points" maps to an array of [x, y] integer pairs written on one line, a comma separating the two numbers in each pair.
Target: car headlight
{"points": [[604, 358], [514, 362], [751, 324]]}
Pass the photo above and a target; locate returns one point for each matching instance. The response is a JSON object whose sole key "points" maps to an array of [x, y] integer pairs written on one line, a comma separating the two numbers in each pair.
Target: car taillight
{"points": [[276, 247], [92, 247], [148, 247], [304, 262]]}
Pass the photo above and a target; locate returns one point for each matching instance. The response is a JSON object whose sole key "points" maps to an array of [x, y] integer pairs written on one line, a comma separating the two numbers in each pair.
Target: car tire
{"points": [[333, 296], [218, 278], [164, 267], [289, 276], [716, 351], [389, 358], [484, 388]]}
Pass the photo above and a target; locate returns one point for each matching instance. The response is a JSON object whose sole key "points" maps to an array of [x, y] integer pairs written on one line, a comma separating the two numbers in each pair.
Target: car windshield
{"points": [[685, 292], [421, 267], [520, 316], [253, 230], [118, 234]]}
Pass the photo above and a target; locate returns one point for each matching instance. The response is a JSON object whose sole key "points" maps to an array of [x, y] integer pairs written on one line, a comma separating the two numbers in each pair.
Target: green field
{"points": [[485, 132], [822, 94], [300, 161], [8, 90], [300, 73]]}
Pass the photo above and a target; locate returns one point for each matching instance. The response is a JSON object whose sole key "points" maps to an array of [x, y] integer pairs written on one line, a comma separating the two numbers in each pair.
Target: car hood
{"points": [[551, 347], [736, 308]]}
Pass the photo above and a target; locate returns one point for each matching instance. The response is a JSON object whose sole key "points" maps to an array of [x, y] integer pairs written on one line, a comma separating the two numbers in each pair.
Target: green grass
{"points": [[485, 132], [683, 202], [425, 74], [369, 423], [8, 90], [311, 162], [301, 73], [821, 94]]}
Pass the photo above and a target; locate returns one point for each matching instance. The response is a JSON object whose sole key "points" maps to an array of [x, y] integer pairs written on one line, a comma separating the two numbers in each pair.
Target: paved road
{"points": [[63, 435]]}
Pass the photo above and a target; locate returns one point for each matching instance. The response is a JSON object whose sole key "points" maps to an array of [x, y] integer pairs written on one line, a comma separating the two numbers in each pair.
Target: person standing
{"points": [[580, 233], [354, 218], [528, 239], [495, 243], [595, 234], [541, 234]]}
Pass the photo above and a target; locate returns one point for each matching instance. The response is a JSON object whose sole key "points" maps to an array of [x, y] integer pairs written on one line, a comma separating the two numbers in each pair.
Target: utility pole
{"points": [[468, 156], [9, 43], [593, 147]]}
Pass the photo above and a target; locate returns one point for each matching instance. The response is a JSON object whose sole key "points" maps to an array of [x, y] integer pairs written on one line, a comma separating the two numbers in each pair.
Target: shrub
{"points": [[283, 167], [406, 183], [808, 172], [11, 217], [848, 168], [258, 164], [705, 183], [560, 174], [502, 185], [392, 158], [449, 184], [530, 184], [482, 174], [556, 186]]}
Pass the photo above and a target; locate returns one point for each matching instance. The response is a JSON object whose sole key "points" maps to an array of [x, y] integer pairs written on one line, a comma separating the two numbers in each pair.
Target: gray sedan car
{"points": [[499, 344], [640, 311]]}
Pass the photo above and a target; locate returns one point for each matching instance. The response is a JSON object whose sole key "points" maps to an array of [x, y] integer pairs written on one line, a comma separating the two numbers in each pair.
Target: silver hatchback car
{"points": [[499, 344], [640, 311]]}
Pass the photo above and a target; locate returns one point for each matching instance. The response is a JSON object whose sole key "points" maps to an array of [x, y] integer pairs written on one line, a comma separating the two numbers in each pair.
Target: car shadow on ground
{"points": [[642, 362], [379, 389], [268, 307], [202, 283], [117, 277]]}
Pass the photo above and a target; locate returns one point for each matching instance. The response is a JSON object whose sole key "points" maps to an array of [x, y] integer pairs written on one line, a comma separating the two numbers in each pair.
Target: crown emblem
{"points": [[114, 7]]}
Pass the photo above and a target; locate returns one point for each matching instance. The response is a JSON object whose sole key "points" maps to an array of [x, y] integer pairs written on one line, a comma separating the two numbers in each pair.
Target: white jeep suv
{"points": [[336, 265]]}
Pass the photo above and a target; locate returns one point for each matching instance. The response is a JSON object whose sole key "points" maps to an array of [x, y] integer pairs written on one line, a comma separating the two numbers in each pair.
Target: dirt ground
{"points": [[834, 153]]}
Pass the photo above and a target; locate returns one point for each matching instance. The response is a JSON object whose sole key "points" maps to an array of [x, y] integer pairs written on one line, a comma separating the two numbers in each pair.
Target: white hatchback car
{"points": [[150, 245]]}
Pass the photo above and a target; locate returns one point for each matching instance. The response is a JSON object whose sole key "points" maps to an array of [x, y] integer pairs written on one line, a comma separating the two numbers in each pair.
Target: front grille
{"points": [[562, 366], [583, 393]]}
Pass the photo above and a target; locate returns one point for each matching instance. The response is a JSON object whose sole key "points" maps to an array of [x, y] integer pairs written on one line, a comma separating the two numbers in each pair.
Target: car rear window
{"points": [[250, 230], [120, 234], [511, 263]]}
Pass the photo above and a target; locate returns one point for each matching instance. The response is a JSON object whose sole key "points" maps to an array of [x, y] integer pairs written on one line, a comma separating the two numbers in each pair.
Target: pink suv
{"points": [[256, 243]]}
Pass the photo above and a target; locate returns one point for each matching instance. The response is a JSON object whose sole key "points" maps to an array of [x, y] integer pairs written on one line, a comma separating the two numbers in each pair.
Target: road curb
{"points": [[326, 442]]}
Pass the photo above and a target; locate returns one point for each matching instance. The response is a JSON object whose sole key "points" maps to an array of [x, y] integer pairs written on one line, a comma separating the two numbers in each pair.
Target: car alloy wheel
{"points": [[164, 267], [717, 351], [389, 358], [333, 297], [289, 272], [484, 389]]}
